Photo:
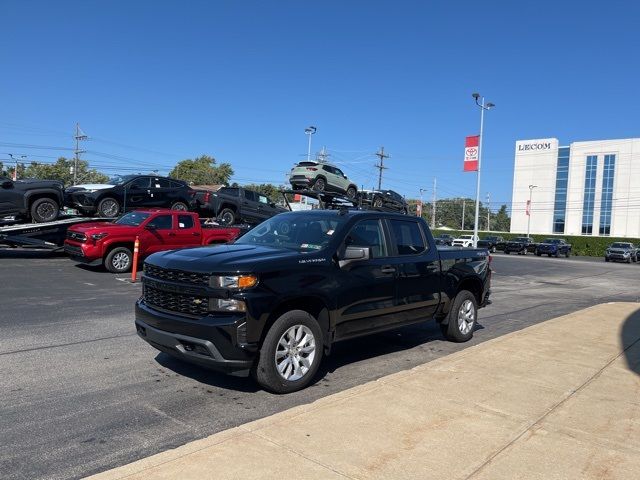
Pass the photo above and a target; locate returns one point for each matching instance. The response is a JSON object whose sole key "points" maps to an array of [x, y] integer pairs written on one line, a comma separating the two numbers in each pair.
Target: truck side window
{"points": [[185, 221], [408, 237], [162, 222], [251, 196], [368, 233]]}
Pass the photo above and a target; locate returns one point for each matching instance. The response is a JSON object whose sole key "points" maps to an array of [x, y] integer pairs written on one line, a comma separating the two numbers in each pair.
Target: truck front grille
{"points": [[77, 236], [176, 275], [191, 305]]}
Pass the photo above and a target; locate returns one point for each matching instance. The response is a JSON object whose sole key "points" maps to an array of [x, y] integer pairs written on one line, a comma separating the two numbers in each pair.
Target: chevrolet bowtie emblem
{"points": [[197, 301]]}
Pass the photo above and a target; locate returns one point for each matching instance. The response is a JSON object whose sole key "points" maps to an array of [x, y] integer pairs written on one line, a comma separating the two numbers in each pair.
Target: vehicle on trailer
{"points": [[444, 239], [36, 200], [231, 205], [384, 199], [129, 192], [111, 243], [321, 177], [272, 303], [491, 243], [520, 245], [621, 252], [464, 241], [554, 247]]}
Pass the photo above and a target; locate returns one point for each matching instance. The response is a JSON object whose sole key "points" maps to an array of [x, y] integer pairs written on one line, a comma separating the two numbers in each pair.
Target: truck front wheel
{"points": [[462, 318], [291, 353], [44, 210], [119, 260], [227, 216]]}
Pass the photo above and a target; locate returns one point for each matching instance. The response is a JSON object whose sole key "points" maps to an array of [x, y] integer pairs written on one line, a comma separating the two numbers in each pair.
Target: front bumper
{"points": [[209, 342], [83, 253], [619, 257]]}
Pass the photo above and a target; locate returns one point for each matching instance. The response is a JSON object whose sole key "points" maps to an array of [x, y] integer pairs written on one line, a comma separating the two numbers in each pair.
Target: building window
{"points": [[607, 194], [589, 194], [562, 178]]}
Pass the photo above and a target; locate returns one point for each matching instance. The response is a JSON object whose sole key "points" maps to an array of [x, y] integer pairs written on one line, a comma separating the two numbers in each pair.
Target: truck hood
{"points": [[34, 183], [233, 258], [102, 226]]}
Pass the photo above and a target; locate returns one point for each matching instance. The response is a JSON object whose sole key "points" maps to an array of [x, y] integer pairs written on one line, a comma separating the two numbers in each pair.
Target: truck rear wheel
{"points": [[119, 260], [44, 210], [227, 216], [183, 207], [462, 317], [291, 353]]}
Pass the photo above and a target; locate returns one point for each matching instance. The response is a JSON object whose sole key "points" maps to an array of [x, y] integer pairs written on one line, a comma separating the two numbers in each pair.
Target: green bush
{"points": [[580, 245]]}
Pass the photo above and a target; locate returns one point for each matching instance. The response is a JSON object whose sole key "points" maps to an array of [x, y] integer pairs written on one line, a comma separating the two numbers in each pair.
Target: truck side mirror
{"points": [[354, 254], [6, 184]]}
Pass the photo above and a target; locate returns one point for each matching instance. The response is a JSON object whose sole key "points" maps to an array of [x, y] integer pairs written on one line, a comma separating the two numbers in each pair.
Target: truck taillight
{"points": [[207, 197]]}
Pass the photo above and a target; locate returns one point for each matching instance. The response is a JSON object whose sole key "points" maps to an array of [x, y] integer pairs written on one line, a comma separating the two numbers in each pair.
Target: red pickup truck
{"points": [[111, 243]]}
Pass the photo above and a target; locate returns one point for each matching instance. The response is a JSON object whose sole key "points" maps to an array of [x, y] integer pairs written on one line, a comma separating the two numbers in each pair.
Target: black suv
{"points": [[128, 192], [231, 205], [39, 200], [384, 200]]}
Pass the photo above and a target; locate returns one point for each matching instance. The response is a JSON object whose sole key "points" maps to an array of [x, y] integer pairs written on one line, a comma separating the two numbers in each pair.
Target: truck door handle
{"points": [[171, 234], [195, 234], [388, 269]]}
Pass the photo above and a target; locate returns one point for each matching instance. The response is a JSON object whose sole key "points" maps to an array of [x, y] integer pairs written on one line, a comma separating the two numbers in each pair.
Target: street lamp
{"points": [[309, 131], [421, 190], [531, 187], [483, 106]]}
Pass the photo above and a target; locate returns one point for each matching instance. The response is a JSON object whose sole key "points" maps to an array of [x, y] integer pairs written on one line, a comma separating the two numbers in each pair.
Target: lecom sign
{"points": [[525, 147]]}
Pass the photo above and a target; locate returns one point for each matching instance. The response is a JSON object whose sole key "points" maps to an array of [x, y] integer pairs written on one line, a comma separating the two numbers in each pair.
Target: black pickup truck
{"points": [[231, 205], [272, 303], [38, 200]]}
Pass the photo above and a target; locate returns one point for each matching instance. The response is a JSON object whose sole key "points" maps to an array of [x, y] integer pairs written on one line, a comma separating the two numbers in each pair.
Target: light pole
{"points": [[421, 190], [309, 131], [531, 187], [483, 106]]}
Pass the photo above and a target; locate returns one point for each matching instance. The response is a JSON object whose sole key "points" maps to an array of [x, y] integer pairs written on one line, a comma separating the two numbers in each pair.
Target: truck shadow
{"points": [[343, 353], [27, 253], [630, 337]]}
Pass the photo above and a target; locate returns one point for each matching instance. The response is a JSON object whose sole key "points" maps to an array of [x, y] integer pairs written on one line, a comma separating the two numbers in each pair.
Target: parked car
{"points": [[129, 192], [553, 247], [491, 243], [464, 241], [111, 243], [272, 303], [444, 239], [37, 200], [387, 200], [520, 245], [231, 205], [321, 177], [621, 251]]}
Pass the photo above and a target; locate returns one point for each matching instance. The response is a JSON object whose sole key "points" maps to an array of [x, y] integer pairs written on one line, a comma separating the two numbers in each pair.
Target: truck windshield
{"points": [[295, 231], [133, 218]]}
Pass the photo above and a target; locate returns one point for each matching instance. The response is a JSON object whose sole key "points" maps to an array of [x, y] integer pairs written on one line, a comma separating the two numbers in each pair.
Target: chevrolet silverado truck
{"points": [[272, 303], [111, 243]]}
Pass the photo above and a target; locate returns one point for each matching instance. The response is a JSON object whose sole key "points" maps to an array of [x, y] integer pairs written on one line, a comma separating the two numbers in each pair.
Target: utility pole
{"points": [[322, 156], [78, 136], [531, 187], [433, 215], [463, 202], [421, 204], [488, 212], [381, 166]]}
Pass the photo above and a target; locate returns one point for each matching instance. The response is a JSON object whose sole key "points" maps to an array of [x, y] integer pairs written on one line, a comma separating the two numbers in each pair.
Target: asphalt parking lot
{"points": [[80, 393]]}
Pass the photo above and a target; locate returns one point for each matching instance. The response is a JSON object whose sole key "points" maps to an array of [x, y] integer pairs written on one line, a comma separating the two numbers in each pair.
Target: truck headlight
{"points": [[98, 236], [227, 305], [233, 281]]}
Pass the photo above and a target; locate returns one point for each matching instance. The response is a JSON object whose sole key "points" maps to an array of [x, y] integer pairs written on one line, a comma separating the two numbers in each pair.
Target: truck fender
{"points": [[42, 192]]}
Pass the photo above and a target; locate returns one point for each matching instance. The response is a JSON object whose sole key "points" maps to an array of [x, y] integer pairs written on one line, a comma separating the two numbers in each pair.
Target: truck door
{"points": [[249, 205], [367, 298], [419, 278], [158, 234], [187, 234]]}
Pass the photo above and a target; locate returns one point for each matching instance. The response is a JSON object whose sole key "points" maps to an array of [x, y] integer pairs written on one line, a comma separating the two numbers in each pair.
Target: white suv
{"points": [[464, 241]]}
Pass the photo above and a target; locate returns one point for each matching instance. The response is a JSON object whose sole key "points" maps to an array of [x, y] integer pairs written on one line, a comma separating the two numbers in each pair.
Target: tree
{"points": [[501, 220], [202, 171], [268, 189], [63, 170]]}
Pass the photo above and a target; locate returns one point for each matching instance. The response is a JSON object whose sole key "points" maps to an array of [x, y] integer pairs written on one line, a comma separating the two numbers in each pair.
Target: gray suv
{"points": [[321, 177]]}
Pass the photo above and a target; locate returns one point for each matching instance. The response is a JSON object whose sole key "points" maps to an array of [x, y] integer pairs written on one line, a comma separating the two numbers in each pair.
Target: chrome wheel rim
{"points": [[466, 317], [109, 208], [179, 206], [46, 210], [120, 261], [227, 218], [295, 353], [377, 202], [319, 185]]}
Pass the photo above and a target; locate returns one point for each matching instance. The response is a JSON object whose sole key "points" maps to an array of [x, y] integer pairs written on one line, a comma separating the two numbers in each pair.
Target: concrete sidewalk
{"points": [[558, 400]]}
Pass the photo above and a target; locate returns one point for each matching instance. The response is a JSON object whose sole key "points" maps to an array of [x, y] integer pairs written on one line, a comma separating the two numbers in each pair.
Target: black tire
{"points": [[453, 330], [378, 202], [181, 206], [557, 254], [606, 259], [352, 192], [538, 253], [227, 216], [567, 254], [265, 371], [506, 252], [108, 207], [44, 210], [629, 260], [320, 184], [119, 260]]}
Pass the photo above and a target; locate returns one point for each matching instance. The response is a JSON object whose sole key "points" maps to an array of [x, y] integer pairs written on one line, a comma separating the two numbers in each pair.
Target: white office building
{"points": [[585, 188]]}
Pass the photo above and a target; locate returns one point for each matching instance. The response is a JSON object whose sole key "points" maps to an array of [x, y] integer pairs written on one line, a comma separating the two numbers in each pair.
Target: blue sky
{"points": [[153, 82]]}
